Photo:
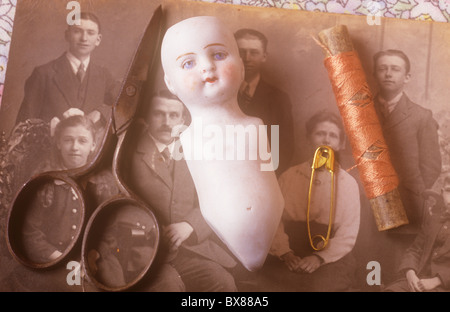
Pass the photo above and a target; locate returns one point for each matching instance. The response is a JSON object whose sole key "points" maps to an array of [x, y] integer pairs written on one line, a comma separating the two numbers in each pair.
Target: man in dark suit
{"points": [[426, 264], [410, 132], [260, 99], [411, 135], [190, 258], [72, 80]]}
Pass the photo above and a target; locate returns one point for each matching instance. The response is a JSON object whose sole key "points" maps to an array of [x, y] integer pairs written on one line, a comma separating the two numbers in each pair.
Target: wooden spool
{"points": [[387, 208]]}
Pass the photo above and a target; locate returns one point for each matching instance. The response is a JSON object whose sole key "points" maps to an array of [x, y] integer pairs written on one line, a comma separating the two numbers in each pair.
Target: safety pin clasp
{"points": [[323, 157]]}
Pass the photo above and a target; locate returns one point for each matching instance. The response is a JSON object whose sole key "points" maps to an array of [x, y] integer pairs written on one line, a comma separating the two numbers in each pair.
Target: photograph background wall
{"points": [[296, 65]]}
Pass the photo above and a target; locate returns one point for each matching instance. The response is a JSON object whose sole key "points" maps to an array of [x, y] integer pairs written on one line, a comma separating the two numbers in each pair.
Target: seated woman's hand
{"points": [[309, 264], [291, 260]]}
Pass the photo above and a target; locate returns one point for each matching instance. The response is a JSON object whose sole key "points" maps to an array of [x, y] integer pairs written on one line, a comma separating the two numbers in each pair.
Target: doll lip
{"points": [[210, 80]]}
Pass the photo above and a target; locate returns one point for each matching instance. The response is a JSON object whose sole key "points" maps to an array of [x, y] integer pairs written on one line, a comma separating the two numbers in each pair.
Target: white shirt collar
{"points": [[75, 63], [390, 105], [161, 146]]}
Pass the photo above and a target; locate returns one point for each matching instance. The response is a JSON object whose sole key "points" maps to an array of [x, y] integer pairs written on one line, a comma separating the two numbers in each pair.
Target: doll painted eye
{"points": [[188, 64], [220, 56]]}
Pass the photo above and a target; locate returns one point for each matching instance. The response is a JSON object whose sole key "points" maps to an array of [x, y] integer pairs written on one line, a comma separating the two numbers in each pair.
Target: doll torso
{"points": [[240, 201]]}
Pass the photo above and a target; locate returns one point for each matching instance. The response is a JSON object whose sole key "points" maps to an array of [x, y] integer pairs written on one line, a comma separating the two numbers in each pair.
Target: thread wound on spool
{"points": [[355, 103]]}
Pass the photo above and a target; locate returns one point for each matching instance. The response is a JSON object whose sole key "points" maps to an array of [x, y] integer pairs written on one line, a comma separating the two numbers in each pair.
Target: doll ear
{"points": [[169, 85]]}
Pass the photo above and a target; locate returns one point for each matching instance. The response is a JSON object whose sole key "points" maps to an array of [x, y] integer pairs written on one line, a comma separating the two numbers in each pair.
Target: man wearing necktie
{"points": [[409, 129], [411, 135], [72, 80], [191, 257], [258, 98], [426, 264], [81, 72]]}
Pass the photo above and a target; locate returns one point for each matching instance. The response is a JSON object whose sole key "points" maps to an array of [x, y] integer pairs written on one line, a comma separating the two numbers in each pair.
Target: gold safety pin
{"points": [[324, 156]]}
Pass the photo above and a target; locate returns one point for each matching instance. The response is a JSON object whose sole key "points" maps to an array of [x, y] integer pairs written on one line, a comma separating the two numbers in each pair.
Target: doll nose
{"points": [[207, 65]]}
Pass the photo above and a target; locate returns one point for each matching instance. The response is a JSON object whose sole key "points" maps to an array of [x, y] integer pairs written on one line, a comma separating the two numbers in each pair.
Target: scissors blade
{"points": [[142, 63]]}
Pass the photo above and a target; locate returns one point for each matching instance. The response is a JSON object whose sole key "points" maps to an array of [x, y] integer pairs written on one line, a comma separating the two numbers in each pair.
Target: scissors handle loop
{"points": [[323, 158]]}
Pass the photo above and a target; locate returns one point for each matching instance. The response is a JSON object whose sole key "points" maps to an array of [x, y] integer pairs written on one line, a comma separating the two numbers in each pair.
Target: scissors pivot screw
{"points": [[131, 90]]}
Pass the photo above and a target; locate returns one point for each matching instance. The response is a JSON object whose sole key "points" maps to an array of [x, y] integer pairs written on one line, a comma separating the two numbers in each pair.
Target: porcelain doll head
{"points": [[201, 61]]}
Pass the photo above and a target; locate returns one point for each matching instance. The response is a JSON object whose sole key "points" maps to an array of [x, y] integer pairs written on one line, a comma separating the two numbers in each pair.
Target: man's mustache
{"points": [[165, 129], [173, 131]]}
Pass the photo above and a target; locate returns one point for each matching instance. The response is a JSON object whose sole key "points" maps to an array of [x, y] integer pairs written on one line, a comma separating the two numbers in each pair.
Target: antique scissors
{"points": [[323, 158], [122, 115]]}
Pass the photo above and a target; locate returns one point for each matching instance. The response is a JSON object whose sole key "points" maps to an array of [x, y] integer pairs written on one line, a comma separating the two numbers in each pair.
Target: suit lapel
{"points": [[260, 105], [153, 159], [64, 81], [94, 84], [400, 113], [435, 227], [180, 171]]}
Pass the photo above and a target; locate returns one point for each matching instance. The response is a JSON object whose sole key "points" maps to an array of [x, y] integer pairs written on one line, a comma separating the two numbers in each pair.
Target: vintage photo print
{"points": [[66, 66], [47, 83], [286, 83], [248, 220]]}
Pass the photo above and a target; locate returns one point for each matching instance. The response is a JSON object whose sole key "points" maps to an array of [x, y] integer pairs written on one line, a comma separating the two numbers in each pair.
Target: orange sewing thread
{"points": [[355, 103]]}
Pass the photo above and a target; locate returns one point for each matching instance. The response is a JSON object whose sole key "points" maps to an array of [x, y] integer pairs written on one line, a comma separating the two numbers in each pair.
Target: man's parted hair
{"points": [[166, 94], [91, 17], [392, 52], [244, 32]]}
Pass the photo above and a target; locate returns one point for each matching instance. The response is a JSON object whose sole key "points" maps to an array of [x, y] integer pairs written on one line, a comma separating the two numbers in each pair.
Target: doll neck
{"points": [[226, 112]]}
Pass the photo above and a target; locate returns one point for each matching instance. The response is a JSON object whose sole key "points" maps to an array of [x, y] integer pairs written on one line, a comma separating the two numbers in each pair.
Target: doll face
{"points": [[201, 61], [326, 133], [75, 145]]}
